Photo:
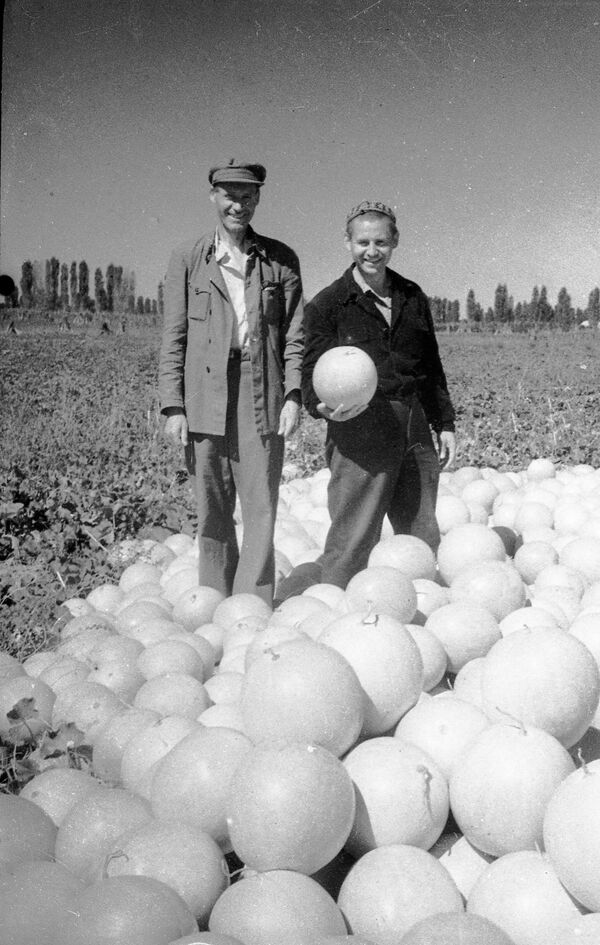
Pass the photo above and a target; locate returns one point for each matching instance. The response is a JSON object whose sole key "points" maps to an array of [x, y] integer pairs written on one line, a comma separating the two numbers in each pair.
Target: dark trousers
{"points": [[239, 463], [382, 463], [415, 496]]}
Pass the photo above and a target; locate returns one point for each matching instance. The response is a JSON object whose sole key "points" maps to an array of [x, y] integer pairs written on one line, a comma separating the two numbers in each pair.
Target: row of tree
{"points": [[57, 286], [520, 316]]}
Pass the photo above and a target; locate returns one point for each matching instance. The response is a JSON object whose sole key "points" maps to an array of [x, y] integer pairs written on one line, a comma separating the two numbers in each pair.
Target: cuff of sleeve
{"points": [[295, 396]]}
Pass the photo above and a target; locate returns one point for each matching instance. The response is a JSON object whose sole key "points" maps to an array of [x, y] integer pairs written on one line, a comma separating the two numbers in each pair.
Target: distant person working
{"points": [[230, 377], [382, 457]]}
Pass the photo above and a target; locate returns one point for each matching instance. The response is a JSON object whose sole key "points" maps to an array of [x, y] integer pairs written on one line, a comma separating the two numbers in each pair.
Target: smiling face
{"points": [[235, 205], [371, 240]]}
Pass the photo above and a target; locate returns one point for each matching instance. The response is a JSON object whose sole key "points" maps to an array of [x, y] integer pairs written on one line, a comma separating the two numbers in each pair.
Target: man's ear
{"points": [[212, 194]]}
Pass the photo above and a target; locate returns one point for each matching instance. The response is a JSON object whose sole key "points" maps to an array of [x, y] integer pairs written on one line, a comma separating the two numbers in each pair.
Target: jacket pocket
{"points": [[198, 303], [272, 301]]}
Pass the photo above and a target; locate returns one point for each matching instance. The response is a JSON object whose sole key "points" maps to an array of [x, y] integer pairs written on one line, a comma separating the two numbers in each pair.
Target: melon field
{"points": [[411, 760]]}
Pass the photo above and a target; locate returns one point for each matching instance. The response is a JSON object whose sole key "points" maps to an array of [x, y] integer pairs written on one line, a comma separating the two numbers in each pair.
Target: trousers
{"points": [[241, 463], [382, 462]]}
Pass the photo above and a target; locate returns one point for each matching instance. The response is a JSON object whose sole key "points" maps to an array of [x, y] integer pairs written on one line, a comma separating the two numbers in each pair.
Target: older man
{"points": [[230, 377], [382, 458]]}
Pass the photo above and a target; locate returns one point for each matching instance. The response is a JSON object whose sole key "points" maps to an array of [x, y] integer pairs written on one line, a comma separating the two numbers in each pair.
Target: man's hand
{"points": [[447, 448], [176, 428], [340, 413], [288, 418]]}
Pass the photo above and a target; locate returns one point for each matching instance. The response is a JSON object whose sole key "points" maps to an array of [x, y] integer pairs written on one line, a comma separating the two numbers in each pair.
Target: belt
{"points": [[237, 354]]}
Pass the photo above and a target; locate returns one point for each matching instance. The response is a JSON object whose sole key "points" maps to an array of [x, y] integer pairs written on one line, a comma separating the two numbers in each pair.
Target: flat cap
{"points": [[370, 206], [237, 172]]}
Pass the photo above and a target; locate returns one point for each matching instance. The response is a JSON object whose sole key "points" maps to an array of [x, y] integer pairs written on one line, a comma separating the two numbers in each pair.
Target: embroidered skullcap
{"points": [[237, 172], [371, 206]]}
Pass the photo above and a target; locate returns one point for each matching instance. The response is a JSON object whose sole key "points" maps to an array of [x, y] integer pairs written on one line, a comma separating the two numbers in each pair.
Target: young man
{"points": [[382, 457], [230, 377]]}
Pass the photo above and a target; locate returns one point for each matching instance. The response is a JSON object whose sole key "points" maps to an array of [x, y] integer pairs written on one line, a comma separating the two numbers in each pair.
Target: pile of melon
{"points": [[412, 759]]}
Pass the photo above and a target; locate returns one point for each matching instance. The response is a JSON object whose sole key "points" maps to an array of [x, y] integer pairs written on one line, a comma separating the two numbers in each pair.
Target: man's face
{"points": [[371, 244], [235, 205]]}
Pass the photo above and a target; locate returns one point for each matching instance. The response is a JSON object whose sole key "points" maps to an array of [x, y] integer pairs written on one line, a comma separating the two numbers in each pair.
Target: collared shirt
{"points": [[235, 280], [383, 302]]}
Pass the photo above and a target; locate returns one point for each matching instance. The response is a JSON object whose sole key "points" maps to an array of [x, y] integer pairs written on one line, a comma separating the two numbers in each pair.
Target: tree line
{"points": [[56, 286], [522, 316], [53, 286]]}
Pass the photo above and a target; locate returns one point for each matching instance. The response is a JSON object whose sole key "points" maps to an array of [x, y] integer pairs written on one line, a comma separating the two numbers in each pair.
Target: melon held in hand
{"points": [[345, 375]]}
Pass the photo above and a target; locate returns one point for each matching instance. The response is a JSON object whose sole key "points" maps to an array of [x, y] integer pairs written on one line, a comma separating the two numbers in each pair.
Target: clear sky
{"points": [[479, 121]]}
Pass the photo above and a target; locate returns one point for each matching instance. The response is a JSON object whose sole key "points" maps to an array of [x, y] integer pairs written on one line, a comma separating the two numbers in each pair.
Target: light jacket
{"points": [[405, 353], [198, 326]]}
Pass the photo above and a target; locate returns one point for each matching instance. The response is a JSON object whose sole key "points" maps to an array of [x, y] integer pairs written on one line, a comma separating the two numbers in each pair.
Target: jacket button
{"points": [[208, 370]]}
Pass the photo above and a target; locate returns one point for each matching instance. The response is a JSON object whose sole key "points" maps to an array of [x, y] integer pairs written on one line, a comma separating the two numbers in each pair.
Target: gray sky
{"points": [[478, 120]]}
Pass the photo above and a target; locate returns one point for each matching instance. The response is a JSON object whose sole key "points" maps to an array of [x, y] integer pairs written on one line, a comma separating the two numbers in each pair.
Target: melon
{"points": [[303, 691], [544, 678], [383, 589], [401, 795], [174, 693], [534, 557], [125, 910], [289, 808], [572, 834], [184, 857], [466, 630], [386, 660], [89, 829], [195, 606], [137, 573], [26, 831], [583, 555], [170, 656], [450, 512], [392, 888], [502, 784], [521, 893], [33, 899], [279, 906], [465, 545], [409, 554], [496, 585], [448, 928], [345, 376], [237, 607]]}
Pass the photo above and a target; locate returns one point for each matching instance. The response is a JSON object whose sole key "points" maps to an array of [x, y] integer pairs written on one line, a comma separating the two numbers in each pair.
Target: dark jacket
{"points": [[406, 354], [198, 327]]}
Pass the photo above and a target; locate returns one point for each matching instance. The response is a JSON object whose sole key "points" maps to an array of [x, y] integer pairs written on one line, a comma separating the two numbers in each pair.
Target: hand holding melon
{"points": [[345, 380]]}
